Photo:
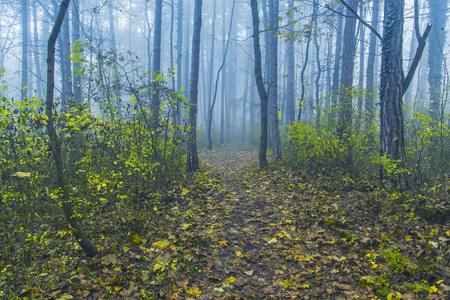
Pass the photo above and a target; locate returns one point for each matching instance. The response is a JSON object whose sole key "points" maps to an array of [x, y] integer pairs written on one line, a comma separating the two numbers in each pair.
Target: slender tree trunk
{"points": [[438, 19], [179, 55], [192, 156], [260, 85], [211, 107], [290, 95], [348, 59], [359, 112], [37, 58], [302, 75], [272, 54], [25, 18], [391, 104], [156, 62], [76, 77], [318, 67], [370, 85], [186, 53], [337, 64], [84, 242]]}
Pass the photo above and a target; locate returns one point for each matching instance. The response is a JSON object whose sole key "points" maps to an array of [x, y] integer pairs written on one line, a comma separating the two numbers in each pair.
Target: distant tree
{"points": [[260, 85], [438, 19], [371, 91], [192, 155], [24, 82], [290, 49], [156, 61], [76, 78], [337, 63], [179, 54]]}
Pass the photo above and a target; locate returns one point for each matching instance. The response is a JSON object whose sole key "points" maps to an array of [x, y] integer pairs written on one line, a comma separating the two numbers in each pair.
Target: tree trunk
{"points": [[391, 104], [362, 28], [260, 86], [272, 76], [192, 156], [37, 57], [156, 63], [337, 64], [348, 59], [75, 37], [290, 95], [213, 102], [84, 242], [438, 19], [25, 18], [179, 55], [66, 64], [319, 71], [371, 90], [302, 74]]}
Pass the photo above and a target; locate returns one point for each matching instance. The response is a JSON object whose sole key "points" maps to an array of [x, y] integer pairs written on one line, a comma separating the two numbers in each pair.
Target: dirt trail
{"points": [[245, 258]]}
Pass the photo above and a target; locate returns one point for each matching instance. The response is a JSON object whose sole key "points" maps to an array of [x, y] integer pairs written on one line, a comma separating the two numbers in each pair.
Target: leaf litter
{"points": [[234, 232]]}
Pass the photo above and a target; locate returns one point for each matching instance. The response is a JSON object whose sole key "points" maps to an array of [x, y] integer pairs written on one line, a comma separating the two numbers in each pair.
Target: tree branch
{"points": [[361, 20]]}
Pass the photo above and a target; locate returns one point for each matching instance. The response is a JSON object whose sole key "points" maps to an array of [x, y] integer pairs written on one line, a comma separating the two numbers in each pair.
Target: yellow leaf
{"points": [[136, 239], [161, 244], [230, 279], [447, 232], [238, 253], [272, 240], [185, 226], [440, 281], [249, 273], [408, 238], [193, 292], [184, 191], [223, 243], [433, 289]]}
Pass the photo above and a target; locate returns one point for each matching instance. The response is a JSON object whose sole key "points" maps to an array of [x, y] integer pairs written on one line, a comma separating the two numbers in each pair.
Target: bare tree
{"points": [[25, 18], [260, 86], [84, 241], [192, 155]]}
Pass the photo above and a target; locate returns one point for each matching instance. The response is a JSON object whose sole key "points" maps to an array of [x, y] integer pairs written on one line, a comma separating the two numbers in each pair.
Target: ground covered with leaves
{"points": [[234, 232]]}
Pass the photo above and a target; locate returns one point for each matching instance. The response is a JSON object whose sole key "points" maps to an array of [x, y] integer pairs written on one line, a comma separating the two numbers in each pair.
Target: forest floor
{"points": [[234, 232]]}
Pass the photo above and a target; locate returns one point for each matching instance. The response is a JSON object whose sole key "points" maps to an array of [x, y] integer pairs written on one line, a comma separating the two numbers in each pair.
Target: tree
{"points": [[24, 81], [156, 62], [272, 78], [192, 155], [337, 63], [371, 91], [76, 78], [346, 86], [290, 97], [438, 19], [260, 85], [391, 90], [84, 242]]}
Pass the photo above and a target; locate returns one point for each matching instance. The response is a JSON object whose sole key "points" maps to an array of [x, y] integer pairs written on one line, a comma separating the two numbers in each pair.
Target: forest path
{"points": [[251, 233]]}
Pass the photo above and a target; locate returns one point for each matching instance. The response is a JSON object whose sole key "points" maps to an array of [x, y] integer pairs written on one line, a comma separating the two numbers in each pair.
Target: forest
{"points": [[238, 149]]}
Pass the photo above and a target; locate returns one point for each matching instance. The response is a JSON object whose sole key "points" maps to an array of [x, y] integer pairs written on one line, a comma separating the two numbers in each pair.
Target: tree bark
{"points": [[84, 242], [337, 64], [192, 155], [260, 86], [391, 91], [75, 37]]}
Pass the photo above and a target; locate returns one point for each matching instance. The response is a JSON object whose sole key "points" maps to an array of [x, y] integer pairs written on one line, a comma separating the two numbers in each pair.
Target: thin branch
{"points": [[361, 20]]}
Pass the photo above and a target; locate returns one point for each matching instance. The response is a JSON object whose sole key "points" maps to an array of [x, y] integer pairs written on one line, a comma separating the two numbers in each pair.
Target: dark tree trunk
{"points": [[362, 40], [302, 74], [66, 64], [84, 242], [260, 85], [192, 156], [272, 54], [348, 60], [179, 54], [25, 18], [391, 104]]}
